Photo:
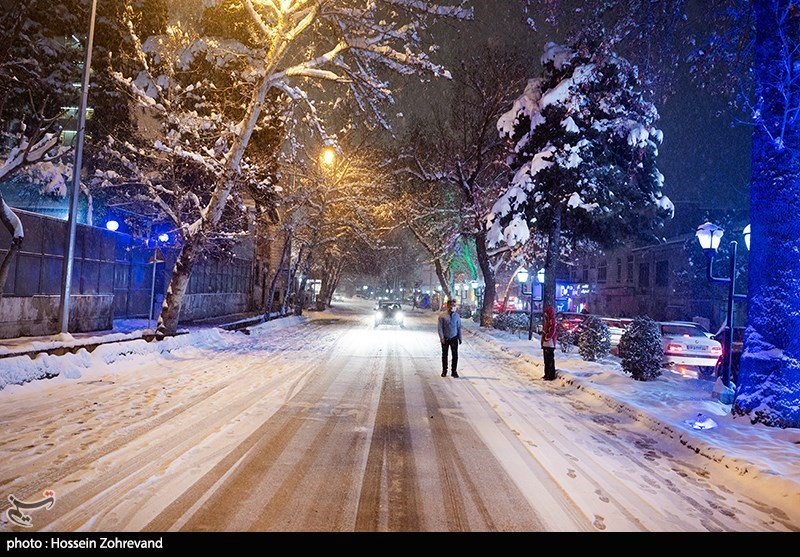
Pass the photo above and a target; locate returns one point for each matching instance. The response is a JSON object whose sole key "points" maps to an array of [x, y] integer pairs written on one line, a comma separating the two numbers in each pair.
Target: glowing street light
{"points": [[112, 225], [709, 236], [328, 156]]}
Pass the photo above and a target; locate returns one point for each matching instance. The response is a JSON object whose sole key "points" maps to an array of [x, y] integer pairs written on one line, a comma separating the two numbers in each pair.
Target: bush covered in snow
{"points": [[512, 322], [594, 341], [640, 349]]}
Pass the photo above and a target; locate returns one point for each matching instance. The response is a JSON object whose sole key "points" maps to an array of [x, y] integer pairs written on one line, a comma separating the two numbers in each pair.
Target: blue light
{"points": [[112, 225]]}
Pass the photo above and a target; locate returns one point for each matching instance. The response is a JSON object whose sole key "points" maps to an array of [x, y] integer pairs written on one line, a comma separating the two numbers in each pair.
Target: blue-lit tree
{"points": [[769, 377]]}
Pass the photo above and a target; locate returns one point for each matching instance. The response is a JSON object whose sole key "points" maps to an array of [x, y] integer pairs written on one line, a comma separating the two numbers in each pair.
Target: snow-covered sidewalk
{"points": [[682, 407]]}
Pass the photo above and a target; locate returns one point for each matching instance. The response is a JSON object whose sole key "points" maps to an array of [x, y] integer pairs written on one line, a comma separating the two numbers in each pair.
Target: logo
{"points": [[16, 514]]}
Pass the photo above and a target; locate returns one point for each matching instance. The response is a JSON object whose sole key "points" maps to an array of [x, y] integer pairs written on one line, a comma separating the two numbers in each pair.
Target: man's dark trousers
{"points": [[452, 345]]}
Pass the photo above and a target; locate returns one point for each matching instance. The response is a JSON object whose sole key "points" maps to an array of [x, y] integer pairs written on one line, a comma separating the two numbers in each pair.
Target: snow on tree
{"points": [[769, 376], [461, 153], [585, 144], [640, 350], [333, 205], [594, 341], [37, 71], [205, 86]]}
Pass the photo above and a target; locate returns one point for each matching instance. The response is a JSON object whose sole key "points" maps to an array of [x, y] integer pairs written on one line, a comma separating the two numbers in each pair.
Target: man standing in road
{"points": [[450, 336]]}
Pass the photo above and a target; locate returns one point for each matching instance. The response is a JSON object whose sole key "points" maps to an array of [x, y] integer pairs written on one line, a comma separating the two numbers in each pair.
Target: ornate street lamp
{"points": [[522, 276], [709, 236]]}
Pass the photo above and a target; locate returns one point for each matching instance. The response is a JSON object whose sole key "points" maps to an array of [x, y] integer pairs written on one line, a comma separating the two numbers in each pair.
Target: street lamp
{"points": [[72, 218], [709, 236], [328, 156], [522, 276]]}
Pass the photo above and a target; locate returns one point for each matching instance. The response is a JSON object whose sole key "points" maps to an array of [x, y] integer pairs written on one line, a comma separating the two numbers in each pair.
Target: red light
{"points": [[674, 348], [716, 350]]}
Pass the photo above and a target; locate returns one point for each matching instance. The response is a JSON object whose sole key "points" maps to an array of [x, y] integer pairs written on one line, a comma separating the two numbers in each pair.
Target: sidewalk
{"points": [[683, 408]]}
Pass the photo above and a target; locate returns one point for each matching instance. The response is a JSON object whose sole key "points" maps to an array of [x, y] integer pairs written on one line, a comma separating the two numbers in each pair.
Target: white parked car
{"points": [[688, 344], [616, 326]]}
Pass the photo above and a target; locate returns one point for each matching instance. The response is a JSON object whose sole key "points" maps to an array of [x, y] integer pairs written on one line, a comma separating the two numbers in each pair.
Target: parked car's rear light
{"points": [[716, 350], [674, 348]]}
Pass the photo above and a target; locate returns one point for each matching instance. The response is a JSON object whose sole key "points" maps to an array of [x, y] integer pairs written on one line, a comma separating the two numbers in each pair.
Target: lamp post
{"points": [[709, 236], [522, 276], [72, 219]]}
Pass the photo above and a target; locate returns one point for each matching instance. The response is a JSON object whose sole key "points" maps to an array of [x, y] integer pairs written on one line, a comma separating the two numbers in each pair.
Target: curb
{"points": [[684, 437]]}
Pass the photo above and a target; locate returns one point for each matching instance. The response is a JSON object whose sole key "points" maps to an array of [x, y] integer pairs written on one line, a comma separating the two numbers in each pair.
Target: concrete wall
{"points": [[39, 315], [203, 306]]}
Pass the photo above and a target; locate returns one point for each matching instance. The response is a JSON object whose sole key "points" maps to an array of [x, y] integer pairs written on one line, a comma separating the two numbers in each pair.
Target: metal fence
{"points": [[109, 263]]}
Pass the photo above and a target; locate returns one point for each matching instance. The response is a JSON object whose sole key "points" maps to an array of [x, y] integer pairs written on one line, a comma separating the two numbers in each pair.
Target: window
{"points": [[662, 273], [619, 269], [602, 271], [644, 275], [630, 269], [585, 274]]}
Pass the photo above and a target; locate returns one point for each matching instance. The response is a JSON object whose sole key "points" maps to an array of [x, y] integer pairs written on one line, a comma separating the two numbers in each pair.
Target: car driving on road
{"points": [[389, 313]]}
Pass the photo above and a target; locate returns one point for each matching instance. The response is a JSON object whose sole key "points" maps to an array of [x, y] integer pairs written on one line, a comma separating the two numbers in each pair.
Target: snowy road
{"points": [[332, 425]]}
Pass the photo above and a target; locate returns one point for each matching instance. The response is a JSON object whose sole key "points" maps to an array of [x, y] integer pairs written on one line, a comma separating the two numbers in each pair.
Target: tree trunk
{"points": [[443, 277], [551, 261], [489, 291], [290, 290], [769, 376], [322, 300], [171, 309], [274, 282], [300, 299], [14, 226], [336, 274]]}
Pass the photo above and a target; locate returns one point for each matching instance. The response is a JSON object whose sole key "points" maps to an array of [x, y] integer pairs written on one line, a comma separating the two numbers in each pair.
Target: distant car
{"points": [[687, 344], [389, 313]]}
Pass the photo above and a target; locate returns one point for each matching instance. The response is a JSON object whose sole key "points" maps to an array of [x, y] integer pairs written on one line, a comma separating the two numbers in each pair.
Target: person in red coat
{"points": [[549, 335]]}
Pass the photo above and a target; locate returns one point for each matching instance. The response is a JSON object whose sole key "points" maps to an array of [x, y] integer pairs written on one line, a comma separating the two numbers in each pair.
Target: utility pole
{"points": [[72, 222]]}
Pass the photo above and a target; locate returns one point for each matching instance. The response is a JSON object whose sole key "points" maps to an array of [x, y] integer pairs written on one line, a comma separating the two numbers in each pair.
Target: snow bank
{"points": [[18, 370]]}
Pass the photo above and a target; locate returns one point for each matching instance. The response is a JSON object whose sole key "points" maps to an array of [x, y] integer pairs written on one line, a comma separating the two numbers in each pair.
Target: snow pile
{"points": [[18, 370]]}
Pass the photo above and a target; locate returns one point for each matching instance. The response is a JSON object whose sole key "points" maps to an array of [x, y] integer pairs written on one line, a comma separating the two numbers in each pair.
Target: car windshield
{"points": [[681, 331]]}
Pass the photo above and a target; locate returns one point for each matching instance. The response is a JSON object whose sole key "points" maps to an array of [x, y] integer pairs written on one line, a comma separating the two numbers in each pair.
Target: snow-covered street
{"points": [[326, 424]]}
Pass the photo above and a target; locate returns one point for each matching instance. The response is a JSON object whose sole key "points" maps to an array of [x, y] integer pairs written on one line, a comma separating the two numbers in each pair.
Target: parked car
{"points": [[569, 328], [616, 326], [706, 332], [389, 313], [687, 344]]}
